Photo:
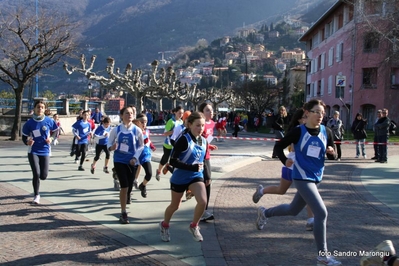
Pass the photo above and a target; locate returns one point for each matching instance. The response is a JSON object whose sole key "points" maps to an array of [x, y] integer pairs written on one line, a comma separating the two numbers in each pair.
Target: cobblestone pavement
{"points": [[357, 221]]}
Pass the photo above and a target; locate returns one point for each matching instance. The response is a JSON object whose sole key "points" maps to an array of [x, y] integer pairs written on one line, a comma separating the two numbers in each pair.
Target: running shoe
{"points": [[158, 175], [36, 199], [80, 168], [123, 219], [92, 168], [373, 258], [105, 169], [135, 184], [164, 233], [258, 194], [207, 216], [129, 200], [261, 220], [195, 231], [309, 226], [116, 185], [76, 161], [327, 261], [143, 190]]}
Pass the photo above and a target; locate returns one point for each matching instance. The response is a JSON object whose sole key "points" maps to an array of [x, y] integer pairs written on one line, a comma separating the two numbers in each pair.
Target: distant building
{"points": [[271, 79], [347, 67], [273, 34]]}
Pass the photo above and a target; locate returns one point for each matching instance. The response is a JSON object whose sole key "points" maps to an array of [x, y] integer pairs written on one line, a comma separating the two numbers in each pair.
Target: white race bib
{"points": [[124, 148], [313, 151], [36, 133]]}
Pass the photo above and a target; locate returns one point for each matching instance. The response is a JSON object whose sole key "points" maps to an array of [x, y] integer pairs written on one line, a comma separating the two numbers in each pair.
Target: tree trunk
{"points": [[16, 128]]}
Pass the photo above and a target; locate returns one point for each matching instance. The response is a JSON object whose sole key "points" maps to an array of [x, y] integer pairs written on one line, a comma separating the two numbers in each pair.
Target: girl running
{"points": [[207, 110], [187, 158], [145, 157], [298, 118], [36, 134], [312, 141], [127, 142], [81, 129], [101, 135], [221, 127], [167, 146]]}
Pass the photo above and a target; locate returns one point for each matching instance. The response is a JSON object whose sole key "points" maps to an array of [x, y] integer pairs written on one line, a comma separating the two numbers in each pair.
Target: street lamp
{"points": [[89, 87]]}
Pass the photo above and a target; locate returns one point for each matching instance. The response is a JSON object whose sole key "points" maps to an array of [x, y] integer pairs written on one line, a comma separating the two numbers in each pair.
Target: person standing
{"points": [[97, 117], [36, 135], [167, 146], [82, 130], [236, 122], [375, 140], [337, 128], [279, 125], [359, 134], [187, 159], [101, 135], [312, 141], [382, 133], [126, 140], [207, 110]]}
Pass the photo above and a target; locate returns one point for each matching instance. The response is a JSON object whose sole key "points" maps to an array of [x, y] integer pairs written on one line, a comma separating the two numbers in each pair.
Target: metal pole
{"points": [[37, 40]]}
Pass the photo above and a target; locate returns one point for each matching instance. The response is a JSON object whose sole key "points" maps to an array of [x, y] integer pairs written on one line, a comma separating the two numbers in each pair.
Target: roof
{"points": [[331, 10]]}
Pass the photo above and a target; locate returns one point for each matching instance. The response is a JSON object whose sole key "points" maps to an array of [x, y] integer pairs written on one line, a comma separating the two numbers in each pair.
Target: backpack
{"points": [[392, 128]]}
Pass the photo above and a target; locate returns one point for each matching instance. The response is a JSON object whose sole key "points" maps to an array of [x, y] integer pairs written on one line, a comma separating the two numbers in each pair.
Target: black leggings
{"points": [[338, 149], [126, 174], [39, 166], [148, 170], [99, 149], [165, 156], [207, 176], [81, 150]]}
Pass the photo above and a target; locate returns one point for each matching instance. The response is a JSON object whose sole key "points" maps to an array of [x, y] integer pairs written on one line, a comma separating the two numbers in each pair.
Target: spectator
{"points": [[279, 124], [338, 131], [382, 133], [359, 134], [376, 155]]}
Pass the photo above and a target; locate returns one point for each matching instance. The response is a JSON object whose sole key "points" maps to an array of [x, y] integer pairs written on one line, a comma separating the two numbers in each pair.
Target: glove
{"points": [[55, 142]]}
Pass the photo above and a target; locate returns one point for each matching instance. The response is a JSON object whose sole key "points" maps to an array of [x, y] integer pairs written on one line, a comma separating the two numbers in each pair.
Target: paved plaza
{"points": [[77, 222]]}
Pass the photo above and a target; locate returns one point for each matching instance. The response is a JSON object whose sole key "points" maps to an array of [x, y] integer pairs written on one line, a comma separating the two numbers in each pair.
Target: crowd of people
{"points": [[187, 153]]}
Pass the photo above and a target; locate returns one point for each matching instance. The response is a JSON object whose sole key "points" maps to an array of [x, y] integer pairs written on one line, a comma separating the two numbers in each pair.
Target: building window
{"points": [[395, 78], [369, 78], [340, 52], [322, 60], [330, 56], [330, 80], [371, 42], [322, 87], [340, 20], [339, 92]]}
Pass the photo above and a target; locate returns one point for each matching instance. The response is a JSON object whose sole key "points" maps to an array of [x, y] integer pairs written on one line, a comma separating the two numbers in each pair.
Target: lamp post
{"points": [[89, 87]]}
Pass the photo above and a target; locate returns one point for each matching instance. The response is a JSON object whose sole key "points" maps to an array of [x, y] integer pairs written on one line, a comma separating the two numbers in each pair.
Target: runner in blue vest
{"points": [[127, 142], [187, 158], [312, 141], [36, 134]]}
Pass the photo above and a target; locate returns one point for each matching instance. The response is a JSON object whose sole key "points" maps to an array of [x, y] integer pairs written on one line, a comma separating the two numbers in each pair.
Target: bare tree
{"points": [[29, 44]]}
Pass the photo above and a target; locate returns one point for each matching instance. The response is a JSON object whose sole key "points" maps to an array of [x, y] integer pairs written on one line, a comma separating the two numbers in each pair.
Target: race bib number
{"points": [[313, 151]]}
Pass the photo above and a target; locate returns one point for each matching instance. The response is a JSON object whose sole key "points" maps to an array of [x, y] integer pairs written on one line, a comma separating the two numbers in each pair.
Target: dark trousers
{"points": [[236, 129], [383, 148], [39, 166], [375, 140]]}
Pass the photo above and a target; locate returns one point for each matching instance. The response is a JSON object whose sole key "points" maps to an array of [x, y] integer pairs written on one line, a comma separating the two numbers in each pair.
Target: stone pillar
{"points": [[65, 107], [84, 104]]}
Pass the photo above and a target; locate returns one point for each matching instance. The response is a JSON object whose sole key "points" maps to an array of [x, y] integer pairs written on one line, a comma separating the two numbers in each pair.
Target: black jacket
{"points": [[358, 129]]}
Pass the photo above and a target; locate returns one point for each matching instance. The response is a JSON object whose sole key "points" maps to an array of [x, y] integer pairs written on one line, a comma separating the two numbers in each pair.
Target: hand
{"points": [[48, 140], [154, 149], [113, 147], [213, 147], [78, 137], [289, 162], [30, 142], [200, 167], [133, 161], [208, 182], [330, 150]]}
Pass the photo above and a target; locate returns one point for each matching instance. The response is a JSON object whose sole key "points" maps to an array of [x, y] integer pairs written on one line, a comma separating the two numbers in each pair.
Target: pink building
{"points": [[347, 66]]}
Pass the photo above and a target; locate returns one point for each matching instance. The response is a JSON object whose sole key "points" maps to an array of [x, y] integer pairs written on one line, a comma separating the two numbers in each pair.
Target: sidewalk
{"points": [[77, 222]]}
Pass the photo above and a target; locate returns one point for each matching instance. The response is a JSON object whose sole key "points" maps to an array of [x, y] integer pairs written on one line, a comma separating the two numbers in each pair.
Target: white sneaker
{"points": [[357, 156], [365, 156], [36, 199], [261, 220], [327, 261], [116, 185], [385, 248], [207, 216], [164, 233], [135, 184], [195, 231], [258, 194]]}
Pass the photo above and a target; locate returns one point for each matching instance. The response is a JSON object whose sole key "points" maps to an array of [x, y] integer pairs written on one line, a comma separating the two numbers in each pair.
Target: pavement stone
{"points": [[66, 230]]}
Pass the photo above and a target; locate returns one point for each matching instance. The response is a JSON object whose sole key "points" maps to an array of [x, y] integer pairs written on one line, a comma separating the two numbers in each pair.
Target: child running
{"points": [[145, 157], [127, 142], [36, 134], [167, 146], [312, 141], [82, 129], [101, 135], [286, 172], [207, 110], [187, 159]]}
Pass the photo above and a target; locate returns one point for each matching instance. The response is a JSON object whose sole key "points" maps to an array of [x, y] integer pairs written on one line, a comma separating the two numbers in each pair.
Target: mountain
{"points": [[135, 31]]}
